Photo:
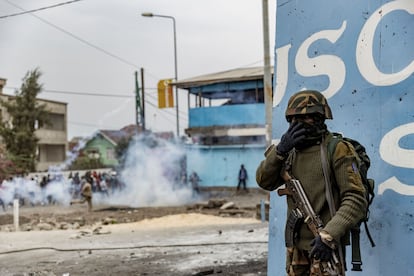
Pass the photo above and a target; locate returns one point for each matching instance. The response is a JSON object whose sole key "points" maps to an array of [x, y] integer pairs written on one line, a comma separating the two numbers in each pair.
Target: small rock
{"points": [[215, 203], [45, 226], [99, 231], [26, 227], [227, 205], [109, 220], [80, 220], [64, 226], [75, 236]]}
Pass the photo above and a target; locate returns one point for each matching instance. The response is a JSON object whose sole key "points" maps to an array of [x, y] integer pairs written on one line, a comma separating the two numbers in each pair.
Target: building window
{"points": [[93, 154], [51, 153], [56, 122], [110, 154]]}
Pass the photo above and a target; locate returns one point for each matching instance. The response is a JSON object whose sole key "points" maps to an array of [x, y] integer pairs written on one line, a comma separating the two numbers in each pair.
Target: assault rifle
{"points": [[304, 211]]}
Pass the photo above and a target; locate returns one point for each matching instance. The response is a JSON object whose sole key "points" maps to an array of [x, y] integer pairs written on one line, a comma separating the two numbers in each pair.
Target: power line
{"points": [[79, 93], [154, 98], [78, 38], [105, 95], [88, 94], [39, 9], [81, 39], [162, 113], [166, 111], [109, 95]]}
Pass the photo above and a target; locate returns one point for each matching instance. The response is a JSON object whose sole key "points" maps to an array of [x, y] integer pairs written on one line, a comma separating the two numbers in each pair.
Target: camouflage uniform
{"points": [[306, 166]]}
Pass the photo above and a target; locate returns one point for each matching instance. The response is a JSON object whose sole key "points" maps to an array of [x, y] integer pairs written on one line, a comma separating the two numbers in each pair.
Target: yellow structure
{"points": [[165, 94]]}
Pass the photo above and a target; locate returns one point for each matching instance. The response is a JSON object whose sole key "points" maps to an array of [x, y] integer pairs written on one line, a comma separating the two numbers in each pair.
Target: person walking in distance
{"points": [[300, 153], [242, 178], [194, 181]]}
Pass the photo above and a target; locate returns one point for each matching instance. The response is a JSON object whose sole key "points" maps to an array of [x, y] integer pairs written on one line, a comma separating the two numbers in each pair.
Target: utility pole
{"points": [[267, 78], [143, 99], [138, 118], [149, 14]]}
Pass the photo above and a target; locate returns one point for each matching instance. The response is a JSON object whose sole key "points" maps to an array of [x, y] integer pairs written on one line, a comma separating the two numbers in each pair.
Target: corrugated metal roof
{"points": [[238, 74], [115, 136]]}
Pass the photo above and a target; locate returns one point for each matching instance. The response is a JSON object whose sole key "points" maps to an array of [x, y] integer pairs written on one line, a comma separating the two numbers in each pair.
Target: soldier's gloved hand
{"points": [[295, 134], [320, 250]]}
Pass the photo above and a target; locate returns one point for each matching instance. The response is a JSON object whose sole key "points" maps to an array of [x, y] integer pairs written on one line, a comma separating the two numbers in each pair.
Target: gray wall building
{"points": [[52, 145]]}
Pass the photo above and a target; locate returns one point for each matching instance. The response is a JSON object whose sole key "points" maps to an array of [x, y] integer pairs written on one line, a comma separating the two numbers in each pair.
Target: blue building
{"points": [[226, 125]]}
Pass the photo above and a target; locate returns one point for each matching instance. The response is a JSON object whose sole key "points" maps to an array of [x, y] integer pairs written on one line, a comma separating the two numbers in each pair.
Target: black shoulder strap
{"points": [[329, 196], [327, 175]]}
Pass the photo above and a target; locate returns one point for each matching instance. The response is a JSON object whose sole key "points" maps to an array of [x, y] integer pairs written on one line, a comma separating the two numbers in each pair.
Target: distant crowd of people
{"points": [[104, 183], [54, 188]]}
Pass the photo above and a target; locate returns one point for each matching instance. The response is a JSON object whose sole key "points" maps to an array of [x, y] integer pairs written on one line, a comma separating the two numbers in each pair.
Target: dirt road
{"points": [[197, 239]]}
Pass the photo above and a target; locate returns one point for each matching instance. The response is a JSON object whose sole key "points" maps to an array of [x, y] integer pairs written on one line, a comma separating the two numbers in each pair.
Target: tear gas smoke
{"points": [[56, 191], [152, 175], [72, 155]]}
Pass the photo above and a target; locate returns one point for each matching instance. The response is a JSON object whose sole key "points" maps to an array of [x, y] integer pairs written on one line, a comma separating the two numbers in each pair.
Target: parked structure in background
{"points": [[226, 108], [226, 123], [102, 146], [52, 145]]}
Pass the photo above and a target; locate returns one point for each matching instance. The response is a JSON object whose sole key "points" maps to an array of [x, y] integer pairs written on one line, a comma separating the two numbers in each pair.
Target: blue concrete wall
{"points": [[219, 165], [227, 115], [360, 55]]}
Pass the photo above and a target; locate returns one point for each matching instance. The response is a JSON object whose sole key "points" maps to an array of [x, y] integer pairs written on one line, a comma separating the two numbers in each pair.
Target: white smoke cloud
{"points": [[72, 155], [151, 177], [152, 174], [57, 190]]}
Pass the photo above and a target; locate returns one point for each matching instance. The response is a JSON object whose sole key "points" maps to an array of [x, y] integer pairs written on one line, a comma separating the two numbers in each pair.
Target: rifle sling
{"points": [[326, 175], [329, 197]]}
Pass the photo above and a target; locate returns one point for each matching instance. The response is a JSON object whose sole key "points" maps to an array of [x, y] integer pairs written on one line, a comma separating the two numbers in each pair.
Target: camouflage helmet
{"points": [[308, 102]]}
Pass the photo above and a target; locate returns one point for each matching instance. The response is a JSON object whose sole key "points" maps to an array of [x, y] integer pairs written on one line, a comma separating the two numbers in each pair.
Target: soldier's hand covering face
{"points": [[294, 135]]}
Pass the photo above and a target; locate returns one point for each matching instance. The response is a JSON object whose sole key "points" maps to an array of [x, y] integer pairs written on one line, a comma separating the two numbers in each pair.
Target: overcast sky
{"points": [[95, 46]]}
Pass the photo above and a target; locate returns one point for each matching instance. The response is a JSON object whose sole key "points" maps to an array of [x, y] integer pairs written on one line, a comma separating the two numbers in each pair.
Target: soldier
{"points": [[86, 193], [299, 153]]}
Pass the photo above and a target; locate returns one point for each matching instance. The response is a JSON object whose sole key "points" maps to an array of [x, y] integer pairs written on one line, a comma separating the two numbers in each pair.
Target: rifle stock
{"points": [[304, 208]]}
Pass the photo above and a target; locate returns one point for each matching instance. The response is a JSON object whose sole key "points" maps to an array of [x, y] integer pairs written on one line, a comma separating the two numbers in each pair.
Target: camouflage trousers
{"points": [[298, 263]]}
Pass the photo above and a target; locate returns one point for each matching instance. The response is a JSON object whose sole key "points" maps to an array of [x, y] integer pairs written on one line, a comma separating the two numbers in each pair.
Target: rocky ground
{"points": [[222, 234]]}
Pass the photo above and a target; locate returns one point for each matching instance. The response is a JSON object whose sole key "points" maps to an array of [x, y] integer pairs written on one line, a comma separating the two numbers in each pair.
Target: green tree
{"points": [[26, 114]]}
